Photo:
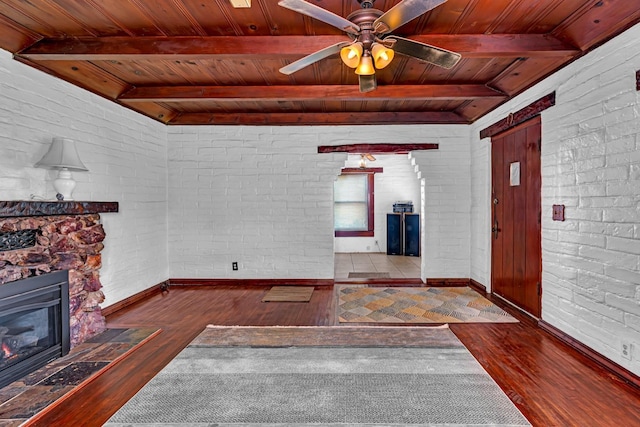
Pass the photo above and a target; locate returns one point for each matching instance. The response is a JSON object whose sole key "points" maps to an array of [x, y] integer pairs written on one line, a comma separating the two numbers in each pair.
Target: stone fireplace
{"points": [[41, 237]]}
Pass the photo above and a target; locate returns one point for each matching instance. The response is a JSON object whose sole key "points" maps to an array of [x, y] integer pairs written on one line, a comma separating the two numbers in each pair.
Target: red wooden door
{"points": [[516, 257]]}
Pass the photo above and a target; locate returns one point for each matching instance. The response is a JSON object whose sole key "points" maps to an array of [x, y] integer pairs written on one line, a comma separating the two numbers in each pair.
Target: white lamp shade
{"points": [[62, 154]]}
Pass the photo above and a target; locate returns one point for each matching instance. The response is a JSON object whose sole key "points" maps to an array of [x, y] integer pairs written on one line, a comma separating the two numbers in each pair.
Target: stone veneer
{"points": [[69, 237]]}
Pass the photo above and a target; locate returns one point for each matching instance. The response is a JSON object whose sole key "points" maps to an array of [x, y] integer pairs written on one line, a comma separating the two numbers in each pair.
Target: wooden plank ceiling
{"points": [[204, 62]]}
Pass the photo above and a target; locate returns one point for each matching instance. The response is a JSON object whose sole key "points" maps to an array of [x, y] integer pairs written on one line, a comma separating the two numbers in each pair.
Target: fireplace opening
{"points": [[34, 324]]}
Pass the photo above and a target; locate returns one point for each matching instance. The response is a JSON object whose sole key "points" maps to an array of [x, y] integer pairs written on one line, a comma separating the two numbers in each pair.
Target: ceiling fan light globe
{"points": [[382, 56], [365, 67], [351, 54]]}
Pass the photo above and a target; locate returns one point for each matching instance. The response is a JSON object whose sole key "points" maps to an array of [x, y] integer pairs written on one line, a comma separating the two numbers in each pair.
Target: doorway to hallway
{"points": [[397, 267], [395, 181]]}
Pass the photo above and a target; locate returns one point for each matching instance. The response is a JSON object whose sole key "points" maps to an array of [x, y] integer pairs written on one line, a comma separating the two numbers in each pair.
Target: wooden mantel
{"points": [[20, 208]]}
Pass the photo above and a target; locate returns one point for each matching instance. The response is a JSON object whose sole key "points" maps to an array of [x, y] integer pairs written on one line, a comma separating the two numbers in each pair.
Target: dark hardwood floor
{"points": [[551, 384]]}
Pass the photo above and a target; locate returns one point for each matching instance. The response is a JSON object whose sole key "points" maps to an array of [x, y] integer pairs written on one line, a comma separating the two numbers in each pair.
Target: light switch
{"points": [[558, 212]]}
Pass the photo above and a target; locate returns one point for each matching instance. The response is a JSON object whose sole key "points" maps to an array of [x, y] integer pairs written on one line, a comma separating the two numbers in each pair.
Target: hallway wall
{"points": [[446, 219]]}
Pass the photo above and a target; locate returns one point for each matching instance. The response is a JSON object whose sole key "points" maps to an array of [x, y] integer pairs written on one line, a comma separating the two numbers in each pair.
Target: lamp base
{"points": [[64, 184]]}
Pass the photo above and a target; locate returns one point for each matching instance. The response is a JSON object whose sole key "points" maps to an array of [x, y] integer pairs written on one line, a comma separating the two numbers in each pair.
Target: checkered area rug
{"points": [[417, 305]]}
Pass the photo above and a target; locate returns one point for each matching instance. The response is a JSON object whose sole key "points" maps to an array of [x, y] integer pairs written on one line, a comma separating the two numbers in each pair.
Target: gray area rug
{"points": [[321, 386]]}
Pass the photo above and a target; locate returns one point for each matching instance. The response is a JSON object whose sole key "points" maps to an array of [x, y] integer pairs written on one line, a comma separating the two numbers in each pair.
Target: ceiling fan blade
{"points": [[402, 13], [314, 57], [320, 14], [424, 52], [367, 83], [370, 157]]}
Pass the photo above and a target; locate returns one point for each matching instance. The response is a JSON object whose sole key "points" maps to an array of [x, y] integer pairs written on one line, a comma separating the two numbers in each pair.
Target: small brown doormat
{"points": [[289, 294], [368, 275]]}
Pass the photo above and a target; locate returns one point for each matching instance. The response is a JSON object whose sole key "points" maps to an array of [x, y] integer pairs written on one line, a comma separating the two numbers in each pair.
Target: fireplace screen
{"points": [[34, 324]]}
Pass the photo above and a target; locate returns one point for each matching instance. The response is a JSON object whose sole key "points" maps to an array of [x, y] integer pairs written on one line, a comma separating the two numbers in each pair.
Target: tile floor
{"points": [[398, 266]]}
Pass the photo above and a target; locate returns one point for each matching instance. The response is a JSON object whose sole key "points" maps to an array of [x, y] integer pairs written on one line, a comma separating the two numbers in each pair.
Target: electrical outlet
{"points": [[625, 349], [234, 265]]}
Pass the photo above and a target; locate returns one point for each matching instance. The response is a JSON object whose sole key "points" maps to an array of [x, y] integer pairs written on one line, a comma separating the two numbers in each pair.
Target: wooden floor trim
{"points": [[251, 282], [135, 298], [608, 364], [477, 286], [450, 282]]}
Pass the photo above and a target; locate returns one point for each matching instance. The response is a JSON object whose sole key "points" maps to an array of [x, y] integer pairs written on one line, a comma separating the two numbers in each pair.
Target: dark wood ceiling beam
{"points": [[307, 93], [500, 45], [303, 119], [376, 148], [181, 48]]}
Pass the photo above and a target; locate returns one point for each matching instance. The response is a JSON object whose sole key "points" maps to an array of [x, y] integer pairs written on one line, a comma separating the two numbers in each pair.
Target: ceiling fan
{"points": [[372, 46]]}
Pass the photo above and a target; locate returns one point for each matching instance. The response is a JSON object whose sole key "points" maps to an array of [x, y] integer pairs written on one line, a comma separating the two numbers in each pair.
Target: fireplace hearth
{"points": [[34, 324], [50, 290]]}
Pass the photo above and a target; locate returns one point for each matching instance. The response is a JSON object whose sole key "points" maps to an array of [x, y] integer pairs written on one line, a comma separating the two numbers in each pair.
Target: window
{"points": [[353, 204]]}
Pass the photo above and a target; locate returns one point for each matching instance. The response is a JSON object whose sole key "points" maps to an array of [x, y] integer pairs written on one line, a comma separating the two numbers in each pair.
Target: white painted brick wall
{"points": [[591, 164], [124, 152], [447, 202], [480, 260], [260, 196], [397, 182], [269, 198]]}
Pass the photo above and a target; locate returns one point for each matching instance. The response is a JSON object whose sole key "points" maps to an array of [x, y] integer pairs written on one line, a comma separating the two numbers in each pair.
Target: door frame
{"points": [[512, 120], [519, 301]]}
